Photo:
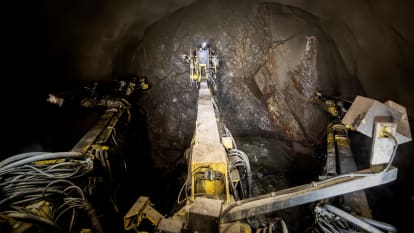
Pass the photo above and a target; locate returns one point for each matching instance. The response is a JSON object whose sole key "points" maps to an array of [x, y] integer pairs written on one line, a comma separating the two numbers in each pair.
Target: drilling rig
{"points": [[59, 191], [71, 191], [217, 193]]}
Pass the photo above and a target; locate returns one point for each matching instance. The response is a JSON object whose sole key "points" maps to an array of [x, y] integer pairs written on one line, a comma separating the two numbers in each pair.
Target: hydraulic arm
{"points": [[212, 195], [54, 192]]}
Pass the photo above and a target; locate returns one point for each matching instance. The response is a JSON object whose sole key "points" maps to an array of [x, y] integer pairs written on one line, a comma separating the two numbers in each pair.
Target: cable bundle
{"points": [[239, 160], [30, 178]]}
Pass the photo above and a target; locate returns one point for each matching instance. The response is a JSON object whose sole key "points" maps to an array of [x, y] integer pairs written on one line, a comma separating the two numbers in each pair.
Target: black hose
{"points": [[96, 224]]}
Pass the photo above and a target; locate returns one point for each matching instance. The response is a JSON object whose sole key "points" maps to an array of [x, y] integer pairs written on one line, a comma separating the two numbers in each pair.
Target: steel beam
{"points": [[101, 130], [307, 193]]}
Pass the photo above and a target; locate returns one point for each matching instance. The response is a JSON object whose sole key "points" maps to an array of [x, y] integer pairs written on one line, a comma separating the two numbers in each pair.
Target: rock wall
{"points": [[272, 59]]}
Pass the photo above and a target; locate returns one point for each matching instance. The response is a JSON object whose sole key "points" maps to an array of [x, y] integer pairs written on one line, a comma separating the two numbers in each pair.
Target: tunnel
{"points": [[274, 55]]}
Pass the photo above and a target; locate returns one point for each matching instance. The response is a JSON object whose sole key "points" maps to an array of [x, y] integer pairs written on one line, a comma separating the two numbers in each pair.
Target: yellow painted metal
{"points": [[342, 141], [41, 208], [100, 147], [48, 162], [209, 187], [143, 83], [341, 132], [202, 67], [227, 143], [211, 157], [85, 230], [197, 70], [330, 137], [235, 227], [141, 210], [332, 108]]}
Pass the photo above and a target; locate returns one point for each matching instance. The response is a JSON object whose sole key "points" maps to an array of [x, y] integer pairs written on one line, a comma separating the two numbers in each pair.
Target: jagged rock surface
{"points": [[272, 59]]}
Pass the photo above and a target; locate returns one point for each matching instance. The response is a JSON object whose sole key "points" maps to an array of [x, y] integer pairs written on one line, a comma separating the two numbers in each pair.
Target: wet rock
{"points": [[171, 104], [287, 87], [299, 61], [272, 59]]}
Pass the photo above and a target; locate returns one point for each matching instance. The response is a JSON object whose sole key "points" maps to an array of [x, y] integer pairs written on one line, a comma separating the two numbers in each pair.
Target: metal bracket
{"points": [[141, 210]]}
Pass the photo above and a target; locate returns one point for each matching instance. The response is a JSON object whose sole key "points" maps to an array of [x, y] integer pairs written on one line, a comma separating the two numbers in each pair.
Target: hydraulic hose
{"points": [[19, 157], [284, 227], [360, 223], [96, 224], [47, 156], [248, 169], [382, 225]]}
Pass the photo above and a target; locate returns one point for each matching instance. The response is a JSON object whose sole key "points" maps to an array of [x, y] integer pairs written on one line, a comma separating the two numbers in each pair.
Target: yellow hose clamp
{"points": [[100, 147]]}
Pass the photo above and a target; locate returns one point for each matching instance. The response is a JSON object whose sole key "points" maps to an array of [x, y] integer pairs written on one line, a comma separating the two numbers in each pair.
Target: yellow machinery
{"points": [[217, 196], [51, 192], [203, 64], [54, 190], [212, 180], [208, 161]]}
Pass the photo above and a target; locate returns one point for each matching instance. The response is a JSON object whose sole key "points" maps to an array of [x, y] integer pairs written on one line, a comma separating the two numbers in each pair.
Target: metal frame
{"points": [[101, 130], [307, 193]]}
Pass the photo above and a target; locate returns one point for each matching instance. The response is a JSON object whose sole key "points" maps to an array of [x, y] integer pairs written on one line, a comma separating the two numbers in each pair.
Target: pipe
{"points": [[382, 225], [360, 223]]}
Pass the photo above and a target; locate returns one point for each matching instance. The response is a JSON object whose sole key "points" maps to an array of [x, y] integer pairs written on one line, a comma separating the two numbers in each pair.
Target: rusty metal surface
{"points": [[138, 207]]}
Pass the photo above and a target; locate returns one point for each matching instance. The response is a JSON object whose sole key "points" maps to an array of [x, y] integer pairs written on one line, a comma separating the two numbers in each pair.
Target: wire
{"points": [[35, 158], [243, 156], [394, 151], [23, 182], [181, 190], [62, 176], [18, 157], [72, 220]]}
